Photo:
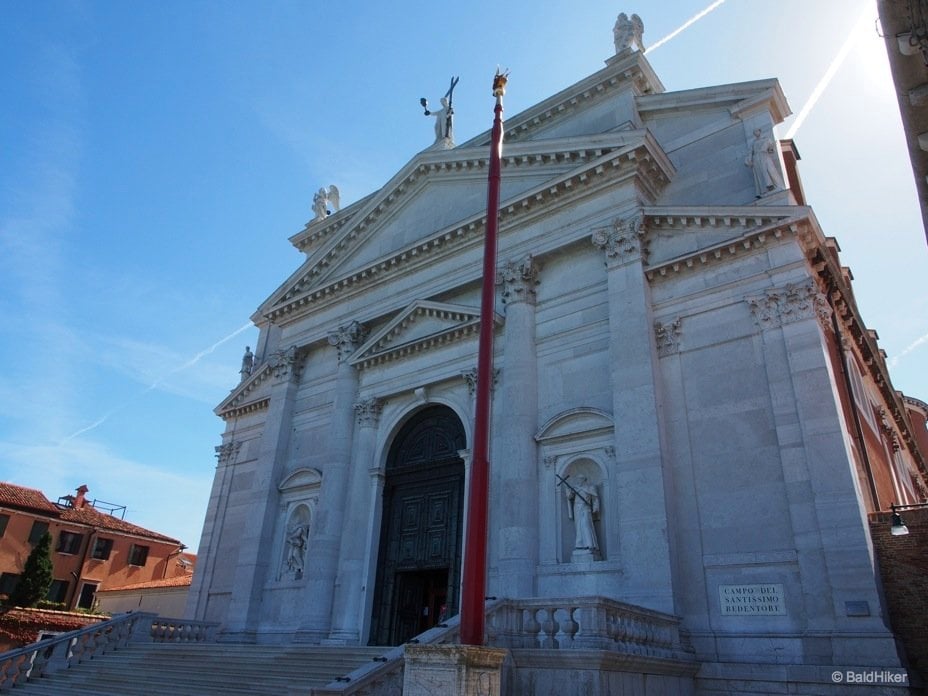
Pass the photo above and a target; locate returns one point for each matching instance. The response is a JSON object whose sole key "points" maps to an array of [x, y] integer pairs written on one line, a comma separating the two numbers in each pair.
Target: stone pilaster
{"points": [[515, 468], [254, 558], [226, 455], [330, 517], [640, 481], [350, 584], [830, 535]]}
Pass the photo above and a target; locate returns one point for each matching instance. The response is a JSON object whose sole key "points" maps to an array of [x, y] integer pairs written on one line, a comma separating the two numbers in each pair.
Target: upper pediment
{"points": [[565, 113], [419, 327], [397, 229]]}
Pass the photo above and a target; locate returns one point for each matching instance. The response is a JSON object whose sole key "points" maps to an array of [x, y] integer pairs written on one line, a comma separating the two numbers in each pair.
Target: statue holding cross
{"points": [[583, 509], [444, 118]]}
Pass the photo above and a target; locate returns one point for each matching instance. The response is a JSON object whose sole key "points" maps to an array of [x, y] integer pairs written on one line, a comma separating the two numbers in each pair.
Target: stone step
{"points": [[203, 670]]}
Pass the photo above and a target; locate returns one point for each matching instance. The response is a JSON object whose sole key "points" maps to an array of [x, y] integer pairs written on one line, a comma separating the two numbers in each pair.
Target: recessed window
{"points": [[38, 529], [8, 582], [102, 548], [88, 593], [138, 555], [69, 542], [58, 591], [4, 519]]}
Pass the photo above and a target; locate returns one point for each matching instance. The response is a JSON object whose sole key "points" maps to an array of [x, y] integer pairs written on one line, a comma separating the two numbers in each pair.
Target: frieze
{"points": [[518, 280], [791, 303], [622, 242]]}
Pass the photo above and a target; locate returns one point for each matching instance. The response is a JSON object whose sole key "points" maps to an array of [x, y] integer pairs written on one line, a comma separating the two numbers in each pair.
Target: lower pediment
{"points": [[420, 327]]}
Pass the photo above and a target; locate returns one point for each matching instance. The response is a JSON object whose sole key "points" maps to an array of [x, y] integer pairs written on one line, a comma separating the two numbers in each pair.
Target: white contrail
{"points": [[855, 34], [196, 358], [154, 385], [908, 349], [686, 25]]}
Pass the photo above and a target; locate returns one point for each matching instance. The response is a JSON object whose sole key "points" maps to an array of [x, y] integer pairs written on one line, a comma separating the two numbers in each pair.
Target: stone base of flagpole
{"points": [[453, 670]]}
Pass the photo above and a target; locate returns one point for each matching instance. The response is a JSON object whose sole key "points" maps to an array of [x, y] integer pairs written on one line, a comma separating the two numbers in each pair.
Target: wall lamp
{"points": [[898, 527]]}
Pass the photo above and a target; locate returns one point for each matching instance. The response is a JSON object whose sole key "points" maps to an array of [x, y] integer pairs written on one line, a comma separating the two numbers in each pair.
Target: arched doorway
{"points": [[419, 563]]}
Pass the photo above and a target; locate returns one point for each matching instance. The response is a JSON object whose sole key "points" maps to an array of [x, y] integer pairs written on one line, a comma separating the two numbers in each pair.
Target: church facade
{"points": [[688, 413]]}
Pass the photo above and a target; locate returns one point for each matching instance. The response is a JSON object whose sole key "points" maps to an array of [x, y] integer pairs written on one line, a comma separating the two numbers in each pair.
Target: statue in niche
{"points": [[444, 118], [583, 509], [627, 33], [297, 537], [765, 164], [321, 201], [248, 363]]}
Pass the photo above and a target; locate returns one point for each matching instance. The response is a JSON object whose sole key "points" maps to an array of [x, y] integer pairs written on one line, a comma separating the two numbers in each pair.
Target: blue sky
{"points": [[157, 156]]}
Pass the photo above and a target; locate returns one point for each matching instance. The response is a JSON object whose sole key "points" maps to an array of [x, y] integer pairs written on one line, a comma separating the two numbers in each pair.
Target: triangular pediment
{"points": [[423, 325], [252, 394], [397, 228]]}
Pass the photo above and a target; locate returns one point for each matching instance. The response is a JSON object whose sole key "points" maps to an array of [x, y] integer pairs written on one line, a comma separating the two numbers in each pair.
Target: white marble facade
{"points": [[661, 333]]}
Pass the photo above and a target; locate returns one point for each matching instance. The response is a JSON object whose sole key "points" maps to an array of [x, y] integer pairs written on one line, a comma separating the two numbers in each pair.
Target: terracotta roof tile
{"points": [[91, 516], [25, 498], [179, 581]]}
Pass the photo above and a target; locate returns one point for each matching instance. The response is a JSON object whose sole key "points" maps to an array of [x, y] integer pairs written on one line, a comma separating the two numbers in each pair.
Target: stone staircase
{"points": [[203, 669]]}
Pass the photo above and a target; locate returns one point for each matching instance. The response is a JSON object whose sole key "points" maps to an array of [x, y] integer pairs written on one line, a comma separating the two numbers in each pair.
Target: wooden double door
{"points": [[419, 561]]}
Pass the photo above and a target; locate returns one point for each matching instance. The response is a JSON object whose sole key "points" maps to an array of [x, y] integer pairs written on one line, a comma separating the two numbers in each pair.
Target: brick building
{"points": [[91, 549]]}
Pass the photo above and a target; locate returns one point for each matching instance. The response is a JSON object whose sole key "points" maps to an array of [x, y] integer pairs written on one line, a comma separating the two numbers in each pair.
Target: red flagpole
{"points": [[475, 555]]}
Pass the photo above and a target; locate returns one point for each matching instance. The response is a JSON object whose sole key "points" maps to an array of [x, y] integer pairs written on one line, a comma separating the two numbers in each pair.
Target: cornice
{"points": [[917, 404], [743, 98], [757, 226], [600, 163], [835, 280]]}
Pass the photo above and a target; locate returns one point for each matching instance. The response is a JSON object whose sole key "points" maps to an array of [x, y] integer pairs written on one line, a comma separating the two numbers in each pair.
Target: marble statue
{"points": [[321, 201], [248, 363], [583, 509], [627, 33], [444, 118], [296, 549], [765, 164]]}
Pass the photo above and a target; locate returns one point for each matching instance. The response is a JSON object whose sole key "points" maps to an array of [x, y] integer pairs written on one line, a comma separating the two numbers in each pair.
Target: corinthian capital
{"points": [[227, 451], [347, 339], [518, 280], [793, 302], [287, 363], [368, 411], [623, 241]]}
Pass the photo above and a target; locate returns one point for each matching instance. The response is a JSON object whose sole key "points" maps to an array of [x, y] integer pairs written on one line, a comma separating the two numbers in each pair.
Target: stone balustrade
{"points": [[587, 623], [46, 656]]}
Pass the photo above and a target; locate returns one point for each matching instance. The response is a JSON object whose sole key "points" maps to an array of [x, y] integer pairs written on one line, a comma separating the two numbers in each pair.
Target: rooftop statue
{"points": [[321, 201], [763, 161], [627, 33], [444, 118]]}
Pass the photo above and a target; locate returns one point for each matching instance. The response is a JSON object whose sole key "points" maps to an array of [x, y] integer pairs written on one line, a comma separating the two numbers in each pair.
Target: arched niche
{"points": [[299, 497]]}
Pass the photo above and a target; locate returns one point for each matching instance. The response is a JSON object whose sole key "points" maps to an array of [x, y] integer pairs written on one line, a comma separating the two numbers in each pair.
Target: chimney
{"points": [[80, 501], [790, 158]]}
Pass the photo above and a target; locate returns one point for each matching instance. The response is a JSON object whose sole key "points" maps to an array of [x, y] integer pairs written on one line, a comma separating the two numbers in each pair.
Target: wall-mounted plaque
{"points": [[752, 600]]}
